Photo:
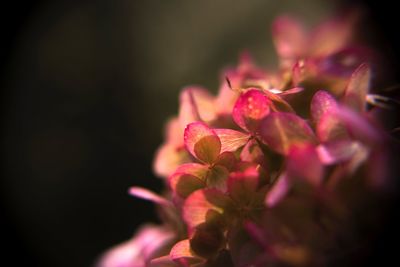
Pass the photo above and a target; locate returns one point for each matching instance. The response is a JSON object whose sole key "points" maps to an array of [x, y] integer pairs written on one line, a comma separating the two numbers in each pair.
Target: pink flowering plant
{"points": [[274, 169]]}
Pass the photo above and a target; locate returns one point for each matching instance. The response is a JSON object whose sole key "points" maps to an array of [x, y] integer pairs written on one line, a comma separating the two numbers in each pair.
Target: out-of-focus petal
{"points": [[290, 37], [196, 104], [163, 261], [337, 151], [202, 142], [291, 91], [303, 162], [250, 108], [203, 205], [174, 132], [344, 62], [321, 103], [359, 127], [332, 35], [282, 130], [358, 87], [167, 158], [138, 251], [331, 128], [231, 140], [146, 194], [188, 110], [278, 190]]}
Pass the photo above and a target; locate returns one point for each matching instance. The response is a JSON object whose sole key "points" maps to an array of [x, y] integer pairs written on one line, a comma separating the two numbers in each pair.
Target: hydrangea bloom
{"points": [[274, 170]]}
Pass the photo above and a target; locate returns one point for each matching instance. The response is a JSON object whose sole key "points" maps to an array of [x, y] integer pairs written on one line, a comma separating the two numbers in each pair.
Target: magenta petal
{"points": [[358, 87], [337, 151], [344, 62], [321, 103], [359, 127], [303, 162], [202, 142], [281, 130], [278, 191], [330, 128], [146, 194], [231, 140], [202, 204], [289, 37], [250, 108]]}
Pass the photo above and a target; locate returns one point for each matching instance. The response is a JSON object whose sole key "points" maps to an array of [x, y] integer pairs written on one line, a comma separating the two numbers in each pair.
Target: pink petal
{"points": [[289, 36], [231, 140], [358, 87], [196, 104], [167, 158], [226, 99], [182, 251], [303, 162], [137, 251], [146, 194], [278, 191], [344, 62], [252, 152], [202, 142], [188, 110], [243, 185], [251, 107], [332, 35], [201, 204], [331, 128], [173, 132], [281, 130], [337, 151], [321, 103], [359, 127]]}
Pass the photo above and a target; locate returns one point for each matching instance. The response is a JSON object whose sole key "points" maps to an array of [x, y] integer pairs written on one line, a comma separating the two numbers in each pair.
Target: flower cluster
{"points": [[273, 169]]}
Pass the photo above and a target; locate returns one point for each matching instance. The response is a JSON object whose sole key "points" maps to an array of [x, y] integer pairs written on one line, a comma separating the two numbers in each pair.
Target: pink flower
{"points": [[271, 170]]}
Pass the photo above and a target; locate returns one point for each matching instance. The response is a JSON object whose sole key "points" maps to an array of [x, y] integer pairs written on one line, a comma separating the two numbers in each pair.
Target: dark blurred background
{"points": [[87, 87]]}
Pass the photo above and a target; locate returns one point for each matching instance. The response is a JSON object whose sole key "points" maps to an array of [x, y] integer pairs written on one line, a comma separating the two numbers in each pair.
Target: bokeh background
{"points": [[87, 87]]}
